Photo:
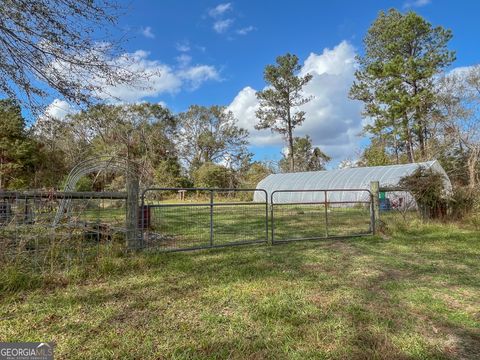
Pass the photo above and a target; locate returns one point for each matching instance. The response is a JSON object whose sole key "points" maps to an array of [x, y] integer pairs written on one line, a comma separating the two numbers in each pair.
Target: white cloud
{"points": [[244, 106], [183, 46], [148, 33], [245, 30], [160, 78], [461, 70], [332, 120], [223, 18], [416, 3], [194, 76], [348, 164], [154, 78], [58, 109], [183, 60], [221, 26], [220, 9]]}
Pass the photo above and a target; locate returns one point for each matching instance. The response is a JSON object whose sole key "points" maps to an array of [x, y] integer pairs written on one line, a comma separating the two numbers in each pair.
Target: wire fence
{"points": [[47, 229], [185, 219], [310, 214], [397, 206]]}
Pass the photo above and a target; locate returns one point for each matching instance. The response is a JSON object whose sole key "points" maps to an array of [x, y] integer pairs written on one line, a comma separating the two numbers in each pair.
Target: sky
{"points": [[214, 53]]}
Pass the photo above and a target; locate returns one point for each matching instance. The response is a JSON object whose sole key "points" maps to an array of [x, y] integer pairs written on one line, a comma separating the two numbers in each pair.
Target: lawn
{"points": [[184, 226], [412, 294]]}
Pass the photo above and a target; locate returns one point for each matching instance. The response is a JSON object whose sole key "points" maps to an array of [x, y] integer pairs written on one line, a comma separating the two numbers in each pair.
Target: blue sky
{"points": [[214, 52]]}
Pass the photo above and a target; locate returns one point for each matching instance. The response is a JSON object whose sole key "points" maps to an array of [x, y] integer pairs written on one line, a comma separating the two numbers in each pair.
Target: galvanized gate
{"points": [[316, 214], [175, 219]]}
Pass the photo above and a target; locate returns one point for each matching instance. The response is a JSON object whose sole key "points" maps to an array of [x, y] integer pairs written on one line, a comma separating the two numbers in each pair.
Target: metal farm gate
{"points": [[175, 219], [320, 214]]}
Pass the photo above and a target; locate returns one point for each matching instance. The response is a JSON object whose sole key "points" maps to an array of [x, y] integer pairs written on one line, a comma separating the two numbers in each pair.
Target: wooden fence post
{"points": [[133, 190], [375, 190]]}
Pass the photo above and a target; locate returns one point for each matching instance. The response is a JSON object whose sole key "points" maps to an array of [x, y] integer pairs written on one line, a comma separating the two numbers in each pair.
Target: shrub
{"points": [[254, 175], [84, 184], [463, 202], [168, 174], [427, 187], [211, 175]]}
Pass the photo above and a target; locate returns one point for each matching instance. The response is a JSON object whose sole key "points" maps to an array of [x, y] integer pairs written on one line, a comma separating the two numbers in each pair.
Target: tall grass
{"points": [[412, 294]]}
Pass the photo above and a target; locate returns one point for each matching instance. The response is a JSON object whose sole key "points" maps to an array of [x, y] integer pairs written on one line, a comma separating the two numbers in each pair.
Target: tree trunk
{"points": [[411, 156], [395, 145], [408, 140], [420, 124], [421, 141], [1, 172], [290, 143], [421, 133], [472, 166], [425, 141]]}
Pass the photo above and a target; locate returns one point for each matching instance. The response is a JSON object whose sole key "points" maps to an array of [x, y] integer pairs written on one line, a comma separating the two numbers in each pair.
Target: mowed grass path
{"points": [[413, 295]]}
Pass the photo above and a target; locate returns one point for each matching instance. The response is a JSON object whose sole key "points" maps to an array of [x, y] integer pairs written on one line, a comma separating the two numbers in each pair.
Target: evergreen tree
{"points": [[306, 157], [396, 78], [17, 149], [279, 100], [376, 154]]}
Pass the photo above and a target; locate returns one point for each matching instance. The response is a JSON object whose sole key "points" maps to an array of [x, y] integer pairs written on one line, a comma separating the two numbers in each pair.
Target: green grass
{"points": [[307, 221], [189, 226], [174, 227], [414, 294]]}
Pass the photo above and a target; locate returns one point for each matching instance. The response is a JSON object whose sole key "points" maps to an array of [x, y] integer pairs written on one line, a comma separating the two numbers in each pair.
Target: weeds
{"points": [[413, 295]]}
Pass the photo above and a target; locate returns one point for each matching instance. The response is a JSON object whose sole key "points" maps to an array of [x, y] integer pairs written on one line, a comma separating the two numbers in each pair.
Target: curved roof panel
{"points": [[339, 179]]}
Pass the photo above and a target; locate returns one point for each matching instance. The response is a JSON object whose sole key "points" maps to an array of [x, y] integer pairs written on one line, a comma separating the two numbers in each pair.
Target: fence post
{"points": [[375, 190], [143, 215], [211, 218], [325, 205], [272, 220], [133, 189], [266, 214]]}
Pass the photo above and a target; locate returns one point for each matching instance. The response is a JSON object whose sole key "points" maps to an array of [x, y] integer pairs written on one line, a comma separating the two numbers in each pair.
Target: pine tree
{"points": [[17, 149], [281, 97], [396, 78]]}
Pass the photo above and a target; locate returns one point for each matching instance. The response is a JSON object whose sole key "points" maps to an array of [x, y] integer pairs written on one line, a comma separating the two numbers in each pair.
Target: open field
{"points": [[181, 226], [414, 294]]}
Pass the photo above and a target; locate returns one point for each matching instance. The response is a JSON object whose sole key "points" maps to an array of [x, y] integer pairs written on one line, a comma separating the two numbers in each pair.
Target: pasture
{"points": [[413, 293]]}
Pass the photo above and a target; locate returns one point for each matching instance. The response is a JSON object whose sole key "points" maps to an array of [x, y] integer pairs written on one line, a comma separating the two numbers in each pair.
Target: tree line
{"points": [[201, 147], [415, 108]]}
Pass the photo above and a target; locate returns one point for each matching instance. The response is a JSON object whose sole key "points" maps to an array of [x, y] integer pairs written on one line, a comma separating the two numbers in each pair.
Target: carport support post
{"points": [[375, 190], [132, 238]]}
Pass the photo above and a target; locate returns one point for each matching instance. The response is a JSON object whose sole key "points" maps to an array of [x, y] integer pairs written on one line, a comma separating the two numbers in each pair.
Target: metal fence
{"points": [[61, 228], [47, 229], [397, 206], [316, 214], [174, 219]]}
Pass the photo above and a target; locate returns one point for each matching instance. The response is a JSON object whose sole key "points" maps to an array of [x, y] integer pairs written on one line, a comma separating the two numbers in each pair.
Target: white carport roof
{"points": [[339, 179]]}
